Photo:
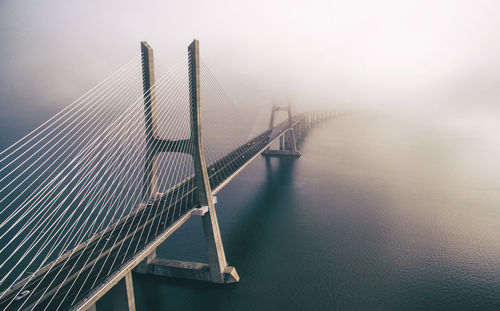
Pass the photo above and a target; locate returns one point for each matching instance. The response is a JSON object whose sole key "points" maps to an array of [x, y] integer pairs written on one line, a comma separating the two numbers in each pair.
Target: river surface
{"points": [[379, 213]]}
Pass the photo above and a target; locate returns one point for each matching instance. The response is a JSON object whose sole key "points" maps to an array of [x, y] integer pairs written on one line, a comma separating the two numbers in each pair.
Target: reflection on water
{"points": [[379, 213]]}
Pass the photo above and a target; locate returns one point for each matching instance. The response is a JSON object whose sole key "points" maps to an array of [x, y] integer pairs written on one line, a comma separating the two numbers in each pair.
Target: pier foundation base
{"points": [[281, 153], [184, 270]]}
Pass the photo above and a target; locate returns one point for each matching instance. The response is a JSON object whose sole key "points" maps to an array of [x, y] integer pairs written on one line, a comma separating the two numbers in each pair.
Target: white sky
{"points": [[388, 53]]}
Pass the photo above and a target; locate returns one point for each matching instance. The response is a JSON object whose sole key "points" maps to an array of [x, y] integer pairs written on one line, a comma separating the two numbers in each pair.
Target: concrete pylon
{"points": [[154, 144], [148, 77], [288, 140], [217, 269]]}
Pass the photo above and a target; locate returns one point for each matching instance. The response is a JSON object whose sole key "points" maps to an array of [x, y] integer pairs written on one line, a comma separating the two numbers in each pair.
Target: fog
{"points": [[428, 58], [392, 203]]}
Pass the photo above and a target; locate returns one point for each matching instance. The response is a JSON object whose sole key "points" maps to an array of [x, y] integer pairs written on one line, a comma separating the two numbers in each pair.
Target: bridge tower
{"points": [[287, 141], [217, 269]]}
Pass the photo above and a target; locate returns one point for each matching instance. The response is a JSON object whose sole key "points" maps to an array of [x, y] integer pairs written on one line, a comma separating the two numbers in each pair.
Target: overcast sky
{"points": [[350, 53]]}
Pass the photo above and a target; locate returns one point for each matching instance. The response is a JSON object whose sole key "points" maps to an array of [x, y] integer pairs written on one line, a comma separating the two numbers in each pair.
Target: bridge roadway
{"points": [[73, 276]]}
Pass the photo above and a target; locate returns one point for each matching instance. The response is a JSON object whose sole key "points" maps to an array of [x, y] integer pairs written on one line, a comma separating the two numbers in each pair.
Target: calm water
{"points": [[378, 214]]}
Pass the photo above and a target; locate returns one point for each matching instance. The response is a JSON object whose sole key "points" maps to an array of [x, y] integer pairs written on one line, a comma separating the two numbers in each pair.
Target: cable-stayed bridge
{"points": [[89, 195]]}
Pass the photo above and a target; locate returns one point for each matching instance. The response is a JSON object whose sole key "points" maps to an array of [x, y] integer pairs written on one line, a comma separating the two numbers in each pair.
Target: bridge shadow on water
{"points": [[246, 225], [264, 208], [350, 236]]}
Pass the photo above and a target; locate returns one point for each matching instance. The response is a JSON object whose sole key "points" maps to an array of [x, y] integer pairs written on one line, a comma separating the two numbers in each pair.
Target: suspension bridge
{"points": [[89, 195]]}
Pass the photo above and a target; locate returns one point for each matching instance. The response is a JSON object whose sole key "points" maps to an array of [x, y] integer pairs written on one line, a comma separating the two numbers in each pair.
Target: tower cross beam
{"points": [[288, 141]]}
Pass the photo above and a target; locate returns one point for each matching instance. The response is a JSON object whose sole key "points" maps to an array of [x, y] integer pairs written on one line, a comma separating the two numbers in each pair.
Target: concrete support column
{"points": [[216, 256], [148, 78], [130, 291], [123, 294], [271, 121], [217, 269], [298, 129], [154, 144], [292, 141], [288, 140]]}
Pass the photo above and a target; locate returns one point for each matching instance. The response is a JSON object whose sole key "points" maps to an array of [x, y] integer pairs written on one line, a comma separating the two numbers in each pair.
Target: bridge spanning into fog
{"points": [[80, 201]]}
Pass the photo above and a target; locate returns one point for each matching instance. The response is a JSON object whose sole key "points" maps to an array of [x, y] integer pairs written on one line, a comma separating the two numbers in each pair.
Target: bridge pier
{"points": [[287, 141], [217, 270], [123, 294], [190, 270]]}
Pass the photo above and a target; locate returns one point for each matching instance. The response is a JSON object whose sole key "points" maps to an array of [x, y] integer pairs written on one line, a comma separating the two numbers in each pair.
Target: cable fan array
{"points": [[70, 191]]}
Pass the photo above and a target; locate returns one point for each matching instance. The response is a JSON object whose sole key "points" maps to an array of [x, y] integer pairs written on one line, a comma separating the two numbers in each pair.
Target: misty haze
{"points": [[259, 155]]}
